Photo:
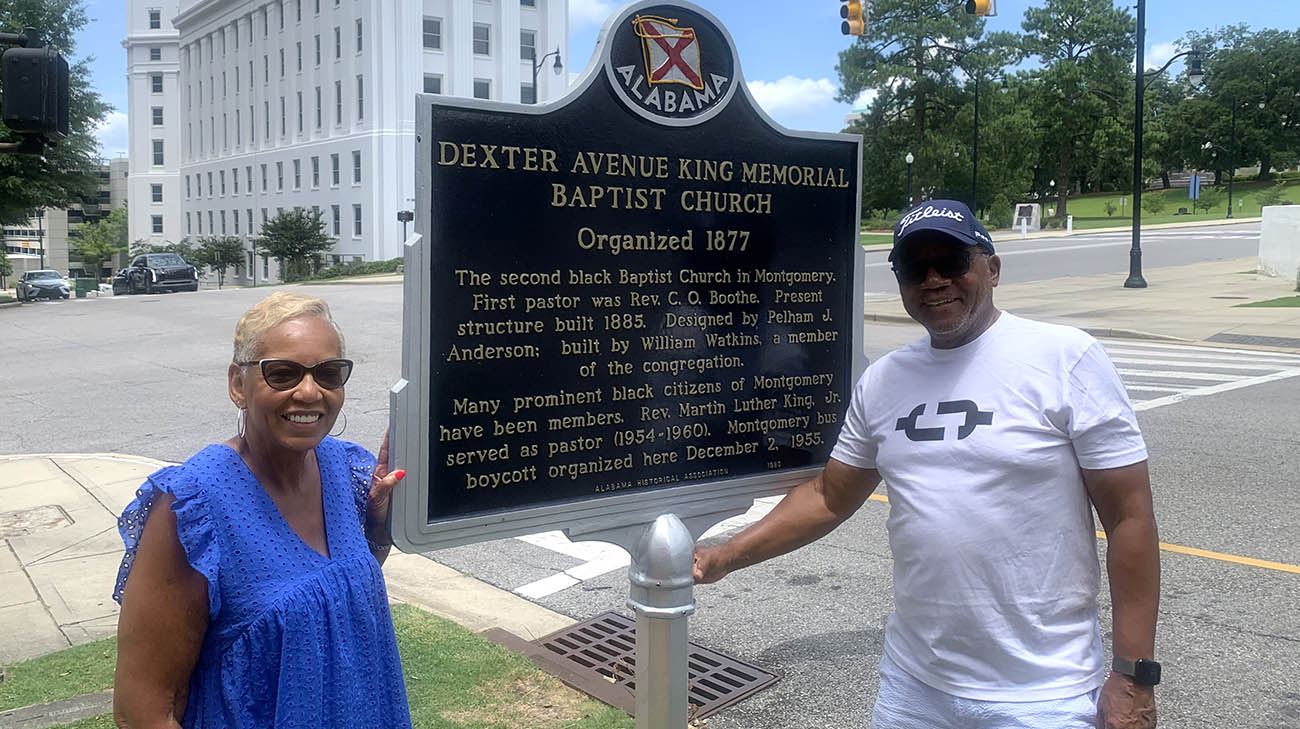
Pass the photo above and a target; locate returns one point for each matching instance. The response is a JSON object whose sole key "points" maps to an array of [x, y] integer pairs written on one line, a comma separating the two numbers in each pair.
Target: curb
{"points": [[377, 281], [9, 304], [58, 712]]}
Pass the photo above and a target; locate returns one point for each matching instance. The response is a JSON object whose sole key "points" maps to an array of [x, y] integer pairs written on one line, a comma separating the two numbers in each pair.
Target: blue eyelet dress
{"points": [[295, 639]]}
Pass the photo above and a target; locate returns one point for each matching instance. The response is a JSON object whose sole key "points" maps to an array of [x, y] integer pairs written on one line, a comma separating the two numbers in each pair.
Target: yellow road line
{"points": [[1191, 551], [1249, 561]]}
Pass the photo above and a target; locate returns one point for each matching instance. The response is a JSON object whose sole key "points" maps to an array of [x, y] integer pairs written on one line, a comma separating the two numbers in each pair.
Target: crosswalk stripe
{"points": [[1111, 344], [1206, 365], [1176, 375], [1225, 387]]}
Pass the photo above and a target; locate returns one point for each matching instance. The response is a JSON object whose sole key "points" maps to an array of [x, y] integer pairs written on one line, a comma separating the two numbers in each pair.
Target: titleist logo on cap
{"points": [[928, 211]]}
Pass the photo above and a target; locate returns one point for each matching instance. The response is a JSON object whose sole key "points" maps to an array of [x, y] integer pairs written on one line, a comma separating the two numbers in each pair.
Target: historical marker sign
{"points": [[643, 298]]}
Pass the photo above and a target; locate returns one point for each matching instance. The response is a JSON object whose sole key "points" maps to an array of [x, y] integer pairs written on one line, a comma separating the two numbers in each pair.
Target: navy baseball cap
{"points": [[940, 218]]}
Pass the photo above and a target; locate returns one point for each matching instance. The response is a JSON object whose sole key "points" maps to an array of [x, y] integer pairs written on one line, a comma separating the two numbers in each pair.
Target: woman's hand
{"points": [[380, 503]]}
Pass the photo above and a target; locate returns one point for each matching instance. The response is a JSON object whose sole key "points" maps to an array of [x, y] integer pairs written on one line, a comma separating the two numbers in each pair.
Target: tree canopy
{"points": [[296, 239]]}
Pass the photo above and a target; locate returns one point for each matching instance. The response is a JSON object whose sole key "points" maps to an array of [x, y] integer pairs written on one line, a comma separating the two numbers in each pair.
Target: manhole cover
{"points": [[29, 521], [604, 649]]}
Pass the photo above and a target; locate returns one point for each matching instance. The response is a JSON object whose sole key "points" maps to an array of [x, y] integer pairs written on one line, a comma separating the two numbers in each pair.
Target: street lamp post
{"points": [[537, 65], [910, 159], [1194, 75]]}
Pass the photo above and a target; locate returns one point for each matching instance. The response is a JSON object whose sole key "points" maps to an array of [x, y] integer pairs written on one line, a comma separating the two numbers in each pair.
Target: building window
{"points": [[279, 176], [248, 178], [234, 178], [299, 50], [158, 151], [358, 35], [211, 189], [155, 84], [280, 8], [223, 222], [334, 213], [334, 170], [338, 102], [189, 228], [432, 84], [318, 7], [155, 19], [281, 63], [528, 3], [318, 112], [157, 223], [283, 124], [356, 167], [252, 126], [236, 79], [198, 184], [266, 267], [187, 187], [234, 214], [318, 49], [482, 39], [263, 178], [338, 43], [361, 98], [155, 193], [155, 53], [211, 228], [356, 221], [266, 118], [157, 116], [300, 112], [433, 34], [482, 88], [199, 218], [315, 172], [266, 71], [297, 11], [239, 130], [222, 176], [249, 218], [527, 94], [528, 45], [297, 174]]}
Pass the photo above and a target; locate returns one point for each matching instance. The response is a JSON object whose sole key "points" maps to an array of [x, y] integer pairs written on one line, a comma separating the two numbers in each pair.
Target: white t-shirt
{"points": [[990, 525]]}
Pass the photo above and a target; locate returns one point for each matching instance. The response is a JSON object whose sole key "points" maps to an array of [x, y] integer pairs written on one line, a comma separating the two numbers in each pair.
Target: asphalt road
{"points": [[1037, 259], [146, 376]]}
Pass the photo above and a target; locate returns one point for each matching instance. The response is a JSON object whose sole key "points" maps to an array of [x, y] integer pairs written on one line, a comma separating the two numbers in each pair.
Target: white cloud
{"points": [[793, 97], [112, 135], [589, 12], [1160, 54]]}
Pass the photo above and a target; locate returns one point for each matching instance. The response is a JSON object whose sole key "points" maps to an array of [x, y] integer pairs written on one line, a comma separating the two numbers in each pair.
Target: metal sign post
{"points": [[627, 314]]}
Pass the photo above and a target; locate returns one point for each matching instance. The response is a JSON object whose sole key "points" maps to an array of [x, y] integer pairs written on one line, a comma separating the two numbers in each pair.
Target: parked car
{"points": [[42, 284], [155, 272]]}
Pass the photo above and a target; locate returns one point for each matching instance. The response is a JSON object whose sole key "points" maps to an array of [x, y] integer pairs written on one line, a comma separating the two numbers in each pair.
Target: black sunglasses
{"points": [[953, 263], [285, 374]]}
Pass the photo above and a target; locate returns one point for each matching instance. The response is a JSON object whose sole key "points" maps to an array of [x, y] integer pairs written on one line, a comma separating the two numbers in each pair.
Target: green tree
{"points": [[102, 240], [1083, 48], [219, 253], [66, 173], [1211, 198], [907, 59], [1154, 203], [6, 268], [1272, 195], [295, 239]]}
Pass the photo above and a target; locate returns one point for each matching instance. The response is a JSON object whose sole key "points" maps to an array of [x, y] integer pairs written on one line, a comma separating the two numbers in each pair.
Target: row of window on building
{"points": [[216, 184], [218, 217]]}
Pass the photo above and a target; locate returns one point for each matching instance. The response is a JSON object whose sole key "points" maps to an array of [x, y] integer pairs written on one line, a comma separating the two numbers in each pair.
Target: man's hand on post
{"points": [[1124, 704], [708, 565]]}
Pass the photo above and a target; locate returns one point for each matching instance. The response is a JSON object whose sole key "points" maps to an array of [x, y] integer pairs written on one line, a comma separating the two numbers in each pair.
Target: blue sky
{"points": [[788, 48]]}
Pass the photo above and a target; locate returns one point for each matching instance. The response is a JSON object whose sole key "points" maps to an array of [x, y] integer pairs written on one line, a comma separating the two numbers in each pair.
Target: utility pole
{"points": [[1135, 280]]}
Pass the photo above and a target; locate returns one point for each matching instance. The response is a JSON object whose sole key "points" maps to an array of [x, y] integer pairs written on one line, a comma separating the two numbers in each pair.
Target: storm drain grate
{"points": [[604, 649]]}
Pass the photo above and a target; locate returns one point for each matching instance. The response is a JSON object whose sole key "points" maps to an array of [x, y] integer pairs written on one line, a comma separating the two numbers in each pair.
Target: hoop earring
{"points": [[345, 425], [239, 423]]}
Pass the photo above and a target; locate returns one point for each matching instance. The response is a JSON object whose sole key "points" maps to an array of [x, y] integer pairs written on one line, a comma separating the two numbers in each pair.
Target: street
{"points": [[145, 375]]}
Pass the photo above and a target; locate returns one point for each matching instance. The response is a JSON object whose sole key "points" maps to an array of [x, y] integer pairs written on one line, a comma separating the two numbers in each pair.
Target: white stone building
{"points": [[311, 104], [153, 141]]}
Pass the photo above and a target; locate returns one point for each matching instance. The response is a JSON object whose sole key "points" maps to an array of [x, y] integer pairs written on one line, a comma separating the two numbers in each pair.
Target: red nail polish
{"points": [[399, 474]]}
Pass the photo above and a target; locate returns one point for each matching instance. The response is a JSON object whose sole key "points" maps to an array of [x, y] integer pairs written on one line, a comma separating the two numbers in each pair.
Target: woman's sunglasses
{"points": [[285, 374], [953, 263]]}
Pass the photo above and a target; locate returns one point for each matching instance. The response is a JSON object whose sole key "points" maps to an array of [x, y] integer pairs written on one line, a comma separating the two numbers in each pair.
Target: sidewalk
{"points": [[1197, 302], [60, 551]]}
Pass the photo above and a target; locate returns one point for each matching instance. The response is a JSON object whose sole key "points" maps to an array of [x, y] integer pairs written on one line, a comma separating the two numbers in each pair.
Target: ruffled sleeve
{"points": [[361, 466], [194, 527]]}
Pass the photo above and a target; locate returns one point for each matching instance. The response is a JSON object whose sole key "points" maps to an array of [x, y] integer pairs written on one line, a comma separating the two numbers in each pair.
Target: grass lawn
{"points": [[1285, 302], [871, 239], [454, 680], [1090, 211]]}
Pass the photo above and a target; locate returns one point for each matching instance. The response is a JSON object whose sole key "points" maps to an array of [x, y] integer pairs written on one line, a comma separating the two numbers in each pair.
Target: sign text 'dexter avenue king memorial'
{"points": [[642, 298]]}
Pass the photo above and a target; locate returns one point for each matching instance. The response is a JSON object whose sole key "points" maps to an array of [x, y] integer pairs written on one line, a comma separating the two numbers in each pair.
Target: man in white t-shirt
{"points": [[997, 436]]}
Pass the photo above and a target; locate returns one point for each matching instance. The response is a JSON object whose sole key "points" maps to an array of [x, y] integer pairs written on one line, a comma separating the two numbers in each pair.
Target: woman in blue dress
{"points": [[254, 596]]}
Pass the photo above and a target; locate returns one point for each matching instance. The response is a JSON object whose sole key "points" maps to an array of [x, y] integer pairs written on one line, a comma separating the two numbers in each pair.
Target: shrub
{"points": [[1110, 208], [1154, 204], [360, 268], [1272, 195], [1001, 213]]}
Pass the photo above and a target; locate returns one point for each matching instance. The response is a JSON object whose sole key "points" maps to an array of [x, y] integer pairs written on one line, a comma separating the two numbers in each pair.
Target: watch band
{"points": [[1142, 671]]}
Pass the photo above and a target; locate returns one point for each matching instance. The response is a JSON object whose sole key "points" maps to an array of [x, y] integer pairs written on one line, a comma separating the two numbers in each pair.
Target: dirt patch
{"points": [[525, 702]]}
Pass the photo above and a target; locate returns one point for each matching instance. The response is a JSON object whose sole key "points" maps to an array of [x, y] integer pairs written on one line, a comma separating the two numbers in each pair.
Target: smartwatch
{"points": [[1143, 672]]}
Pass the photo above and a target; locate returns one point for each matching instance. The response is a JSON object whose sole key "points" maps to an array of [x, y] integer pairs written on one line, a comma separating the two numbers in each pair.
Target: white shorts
{"points": [[905, 703]]}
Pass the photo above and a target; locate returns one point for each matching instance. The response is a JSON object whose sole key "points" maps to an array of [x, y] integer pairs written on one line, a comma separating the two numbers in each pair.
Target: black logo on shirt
{"points": [[974, 418]]}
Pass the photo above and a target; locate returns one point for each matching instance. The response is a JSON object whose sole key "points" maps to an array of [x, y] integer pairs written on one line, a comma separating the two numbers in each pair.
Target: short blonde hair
{"points": [[273, 311]]}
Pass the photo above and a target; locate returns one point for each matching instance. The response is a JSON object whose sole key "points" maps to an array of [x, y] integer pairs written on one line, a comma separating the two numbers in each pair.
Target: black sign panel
{"points": [[646, 286]]}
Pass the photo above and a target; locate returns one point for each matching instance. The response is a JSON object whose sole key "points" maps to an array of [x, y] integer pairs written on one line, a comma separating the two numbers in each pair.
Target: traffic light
{"points": [[35, 85], [855, 17], [981, 7]]}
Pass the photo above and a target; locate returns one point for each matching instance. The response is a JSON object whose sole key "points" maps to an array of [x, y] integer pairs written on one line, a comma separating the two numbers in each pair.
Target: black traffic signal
{"points": [[855, 17], [35, 85]]}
